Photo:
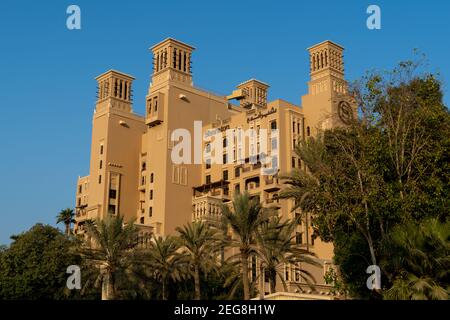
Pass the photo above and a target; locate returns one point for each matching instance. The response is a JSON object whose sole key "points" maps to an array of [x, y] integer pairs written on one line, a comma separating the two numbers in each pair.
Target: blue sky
{"points": [[47, 86]]}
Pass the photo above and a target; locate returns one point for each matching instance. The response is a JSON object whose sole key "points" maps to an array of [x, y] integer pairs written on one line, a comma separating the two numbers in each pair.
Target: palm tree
{"points": [[111, 250], [418, 261], [66, 216], [201, 247], [165, 261], [276, 248], [244, 219]]}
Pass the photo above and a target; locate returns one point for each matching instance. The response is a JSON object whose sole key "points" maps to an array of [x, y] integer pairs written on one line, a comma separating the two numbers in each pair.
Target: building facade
{"points": [[132, 170]]}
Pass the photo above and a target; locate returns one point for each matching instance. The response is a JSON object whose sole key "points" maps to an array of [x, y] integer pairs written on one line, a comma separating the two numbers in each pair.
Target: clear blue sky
{"points": [[47, 86]]}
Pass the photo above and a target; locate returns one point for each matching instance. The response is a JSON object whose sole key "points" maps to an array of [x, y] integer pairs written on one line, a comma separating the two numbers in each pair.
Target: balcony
{"points": [[208, 198], [155, 110], [271, 184], [207, 208]]}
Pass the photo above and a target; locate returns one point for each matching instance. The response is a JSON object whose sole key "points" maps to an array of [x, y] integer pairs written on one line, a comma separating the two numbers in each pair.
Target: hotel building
{"points": [[131, 168]]}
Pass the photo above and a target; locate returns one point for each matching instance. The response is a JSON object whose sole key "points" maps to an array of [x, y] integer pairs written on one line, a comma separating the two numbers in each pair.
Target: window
{"points": [[237, 188], [112, 209], [79, 202], [155, 99], [150, 211], [273, 125], [294, 143], [237, 172], [293, 126], [142, 220], [151, 178], [225, 175], [224, 158], [208, 163], [293, 162], [298, 218], [144, 166], [298, 127], [224, 143], [299, 163], [112, 194], [100, 179], [253, 268], [208, 179], [298, 238], [149, 106], [308, 131], [142, 180], [151, 194], [312, 239], [286, 273], [101, 164], [80, 187], [101, 149], [208, 147]]}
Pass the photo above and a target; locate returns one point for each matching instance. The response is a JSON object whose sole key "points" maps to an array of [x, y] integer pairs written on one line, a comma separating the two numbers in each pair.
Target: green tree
{"points": [[34, 265], [417, 259], [166, 263], [110, 252], [200, 244], [390, 166], [66, 216], [243, 220]]}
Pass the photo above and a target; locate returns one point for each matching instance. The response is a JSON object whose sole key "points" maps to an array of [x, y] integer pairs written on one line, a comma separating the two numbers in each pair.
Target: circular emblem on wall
{"points": [[345, 112]]}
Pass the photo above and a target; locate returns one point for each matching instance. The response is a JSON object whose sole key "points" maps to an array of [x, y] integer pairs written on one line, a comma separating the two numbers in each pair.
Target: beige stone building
{"points": [[132, 171]]}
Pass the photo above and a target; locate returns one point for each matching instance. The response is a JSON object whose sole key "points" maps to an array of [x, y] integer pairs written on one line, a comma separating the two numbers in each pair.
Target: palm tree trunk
{"points": [[261, 282], [108, 287], [244, 262], [273, 282], [68, 229], [164, 289], [197, 283]]}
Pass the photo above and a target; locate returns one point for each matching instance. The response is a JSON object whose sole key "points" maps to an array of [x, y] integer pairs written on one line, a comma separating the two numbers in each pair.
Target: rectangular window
{"points": [[224, 142], [101, 164], [151, 194], [298, 218], [112, 194], [237, 172], [208, 179], [293, 126], [150, 211], [298, 127], [79, 201], [112, 209], [225, 175], [273, 125], [175, 174], [151, 178], [293, 162], [80, 188], [294, 142], [155, 99], [224, 158], [100, 179], [299, 163], [298, 238], [101, 149], [237, 188], [208, 163], [286, 273]]}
